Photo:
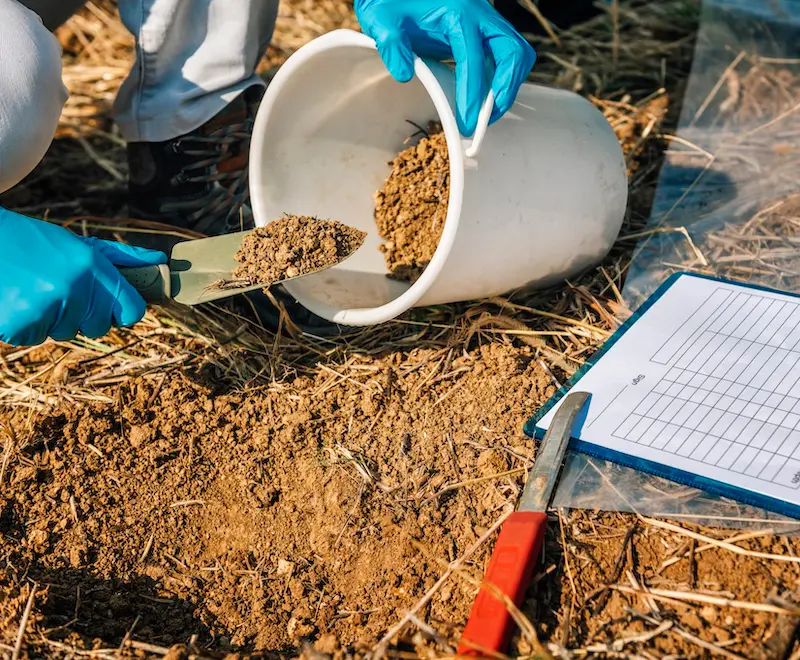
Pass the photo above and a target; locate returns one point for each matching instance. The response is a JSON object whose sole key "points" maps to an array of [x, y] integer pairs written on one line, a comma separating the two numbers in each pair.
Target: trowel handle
{"points": [[153, 282], [490, 624]]}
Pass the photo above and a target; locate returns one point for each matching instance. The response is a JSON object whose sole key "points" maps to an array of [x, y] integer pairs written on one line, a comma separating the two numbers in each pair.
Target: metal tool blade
{"points": [[196, 266], [201, 269], [544, 475]]}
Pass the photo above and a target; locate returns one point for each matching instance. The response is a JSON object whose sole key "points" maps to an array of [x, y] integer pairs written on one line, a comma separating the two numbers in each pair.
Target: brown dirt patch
{"points": [[254, 520], [617, 549], [292, 246], [411, 208]]}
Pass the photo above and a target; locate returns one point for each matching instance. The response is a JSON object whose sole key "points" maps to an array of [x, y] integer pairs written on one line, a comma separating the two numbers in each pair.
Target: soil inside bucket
{"points": [[294, 246], [411, 208]]}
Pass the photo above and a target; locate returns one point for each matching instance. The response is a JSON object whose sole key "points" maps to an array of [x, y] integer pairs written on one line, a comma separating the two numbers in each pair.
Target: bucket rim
{"points": [[365, 316]]}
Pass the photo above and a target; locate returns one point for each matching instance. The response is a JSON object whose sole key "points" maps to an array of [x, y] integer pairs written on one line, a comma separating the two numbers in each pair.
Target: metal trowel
{"points": [[198, 271]]}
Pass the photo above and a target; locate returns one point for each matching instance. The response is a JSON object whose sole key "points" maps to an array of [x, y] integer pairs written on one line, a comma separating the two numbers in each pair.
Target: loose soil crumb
{"points": [[293, 246], [411, 208]]}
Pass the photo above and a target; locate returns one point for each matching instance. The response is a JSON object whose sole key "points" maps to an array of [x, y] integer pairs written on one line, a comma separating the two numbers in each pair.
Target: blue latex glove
{"points": [[464, 30], [55, 283]]}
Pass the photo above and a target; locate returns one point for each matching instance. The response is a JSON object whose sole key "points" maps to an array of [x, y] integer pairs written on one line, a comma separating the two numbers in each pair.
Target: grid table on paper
{"points": [[731, 394]]}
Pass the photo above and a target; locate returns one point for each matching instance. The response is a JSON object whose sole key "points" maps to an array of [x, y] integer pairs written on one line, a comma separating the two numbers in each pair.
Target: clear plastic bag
{"points": [[731, 174], [727, 204]]}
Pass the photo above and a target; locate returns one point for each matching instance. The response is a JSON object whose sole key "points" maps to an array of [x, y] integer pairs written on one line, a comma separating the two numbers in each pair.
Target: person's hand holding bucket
{"points": [[465, 30]]}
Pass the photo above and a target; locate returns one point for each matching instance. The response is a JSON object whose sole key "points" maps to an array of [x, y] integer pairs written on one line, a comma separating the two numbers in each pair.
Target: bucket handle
{"points": [[484, 118]]}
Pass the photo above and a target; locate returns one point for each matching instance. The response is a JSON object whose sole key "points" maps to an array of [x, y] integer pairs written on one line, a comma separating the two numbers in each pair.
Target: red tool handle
{"points": [[510, 568]]}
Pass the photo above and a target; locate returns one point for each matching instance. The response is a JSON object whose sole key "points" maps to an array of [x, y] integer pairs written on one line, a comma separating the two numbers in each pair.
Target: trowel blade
{"points": [[197, 266]]}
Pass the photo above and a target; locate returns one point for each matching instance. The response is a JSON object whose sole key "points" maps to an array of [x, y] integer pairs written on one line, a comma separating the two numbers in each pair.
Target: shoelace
{"points": [[230, 197]]}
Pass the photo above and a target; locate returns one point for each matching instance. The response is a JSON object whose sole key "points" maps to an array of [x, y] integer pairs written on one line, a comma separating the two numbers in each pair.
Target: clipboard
{"points": [[700, 386]]}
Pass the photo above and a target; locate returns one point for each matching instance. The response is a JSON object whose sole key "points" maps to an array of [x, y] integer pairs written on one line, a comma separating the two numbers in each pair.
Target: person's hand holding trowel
{"points": [[57, 284]]}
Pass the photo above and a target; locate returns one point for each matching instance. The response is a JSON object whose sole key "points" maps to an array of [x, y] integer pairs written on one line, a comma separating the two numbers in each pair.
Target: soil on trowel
{"points": [[294, 246], [411, 208]]}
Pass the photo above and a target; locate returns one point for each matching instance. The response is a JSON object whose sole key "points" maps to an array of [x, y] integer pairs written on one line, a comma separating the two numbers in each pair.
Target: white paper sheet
{"points": [[707, 381]]}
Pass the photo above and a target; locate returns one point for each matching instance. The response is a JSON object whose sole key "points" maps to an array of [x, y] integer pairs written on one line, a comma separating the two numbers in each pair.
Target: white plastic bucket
{"points": [[543, 198]]}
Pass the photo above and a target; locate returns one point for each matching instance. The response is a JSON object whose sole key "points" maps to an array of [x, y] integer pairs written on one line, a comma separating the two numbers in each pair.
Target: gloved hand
{"points": [[56, 283], [465, 30]]}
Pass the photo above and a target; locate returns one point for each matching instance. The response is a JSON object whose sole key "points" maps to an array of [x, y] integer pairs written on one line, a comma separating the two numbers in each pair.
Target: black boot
{"points": [[198, 182]]}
